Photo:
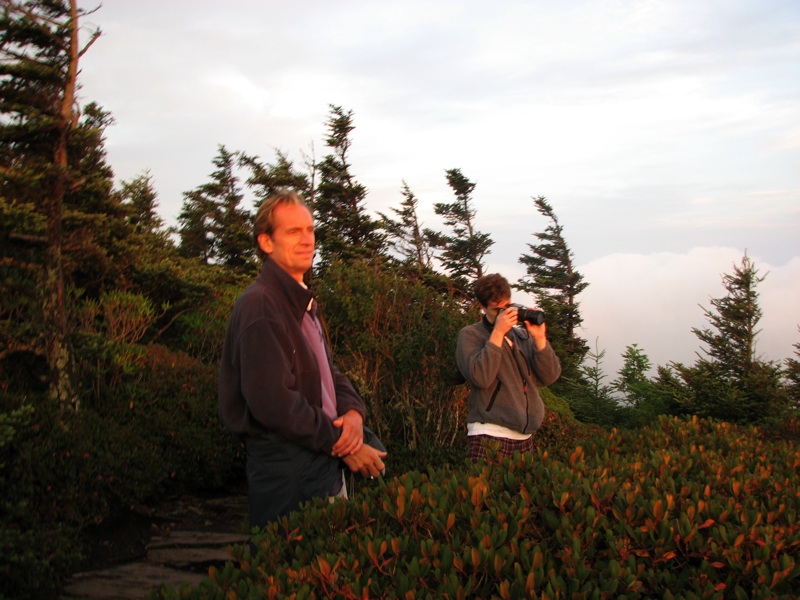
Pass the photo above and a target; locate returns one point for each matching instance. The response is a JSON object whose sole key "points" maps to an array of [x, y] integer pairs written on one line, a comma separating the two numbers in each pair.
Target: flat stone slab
{"points": [[181, 556], [127, 582], [187, 548], [195, 539]]}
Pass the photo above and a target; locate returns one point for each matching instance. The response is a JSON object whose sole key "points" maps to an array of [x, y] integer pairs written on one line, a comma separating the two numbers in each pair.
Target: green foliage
{"points": [[589, 397], [552, 279], [395, 338], [152, 427], [406, 235], [213, 226], [684, 509], [463, 250], [266, 179], [791, 374], [732, 383], [50, 158], [344, 229], [34, 558]]}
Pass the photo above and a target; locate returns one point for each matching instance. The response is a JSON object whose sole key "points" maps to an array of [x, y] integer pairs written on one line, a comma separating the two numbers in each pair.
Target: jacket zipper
{"points": [[494, 396]]}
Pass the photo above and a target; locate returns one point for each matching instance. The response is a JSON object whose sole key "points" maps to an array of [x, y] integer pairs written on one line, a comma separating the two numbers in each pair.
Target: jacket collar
{"points": [[295, 294]]}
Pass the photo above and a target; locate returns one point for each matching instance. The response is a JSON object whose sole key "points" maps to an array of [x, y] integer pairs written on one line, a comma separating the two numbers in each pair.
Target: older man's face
{"points": [[291, 244]]}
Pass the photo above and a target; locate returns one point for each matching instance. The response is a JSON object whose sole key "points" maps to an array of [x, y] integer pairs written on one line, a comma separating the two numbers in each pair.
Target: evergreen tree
{"points": [[195, 222], [343, 228], [95, 225], [555, 283], [405, 234], [141, 200], [731, 382], [267, 179], [632, 381], [463, 250], [39, 55], [643, 399], [213, 226], [591, 399], [792, 378]]}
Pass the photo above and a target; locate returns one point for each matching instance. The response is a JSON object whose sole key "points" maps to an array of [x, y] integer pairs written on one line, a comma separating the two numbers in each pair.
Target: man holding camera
{"points": [[505, 359]]}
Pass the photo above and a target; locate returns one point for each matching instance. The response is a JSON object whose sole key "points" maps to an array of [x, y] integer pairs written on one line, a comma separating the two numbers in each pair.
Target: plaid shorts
{"points": [[505, 448]]}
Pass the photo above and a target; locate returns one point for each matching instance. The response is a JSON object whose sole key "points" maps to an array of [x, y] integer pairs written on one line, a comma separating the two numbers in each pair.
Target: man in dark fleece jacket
{"points": [[504, 365], [278, 389]]}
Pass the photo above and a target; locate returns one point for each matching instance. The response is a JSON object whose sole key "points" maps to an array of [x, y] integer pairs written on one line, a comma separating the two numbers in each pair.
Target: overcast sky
{"points": [[665, 134]]}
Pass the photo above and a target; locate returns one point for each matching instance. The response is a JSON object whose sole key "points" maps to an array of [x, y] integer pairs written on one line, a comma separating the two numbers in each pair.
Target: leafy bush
{"points": [[152, 428], [683, 509], [34, 558], [395, 337]]}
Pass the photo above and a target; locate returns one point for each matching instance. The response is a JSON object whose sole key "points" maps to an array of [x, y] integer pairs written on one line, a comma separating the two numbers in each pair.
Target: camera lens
{"points": [[534, 317]]}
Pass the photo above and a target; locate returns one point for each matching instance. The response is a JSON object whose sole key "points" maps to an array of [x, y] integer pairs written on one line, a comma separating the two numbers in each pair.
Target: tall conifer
{"points": [[343, 227], [555, 283], [39, 55], [462, 251]]}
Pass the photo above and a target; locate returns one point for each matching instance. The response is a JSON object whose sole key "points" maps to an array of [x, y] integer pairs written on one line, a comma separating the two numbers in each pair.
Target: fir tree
{"points": [[213, 225], [464, 249], [39, 55], [555, 283], [344, 230], [267, 179], [730, 382], [406, 235], [141, 200]]}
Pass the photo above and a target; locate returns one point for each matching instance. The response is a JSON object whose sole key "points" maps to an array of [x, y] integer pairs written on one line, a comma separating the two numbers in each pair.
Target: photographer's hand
{"points": [[538, 333], [505, 320]]}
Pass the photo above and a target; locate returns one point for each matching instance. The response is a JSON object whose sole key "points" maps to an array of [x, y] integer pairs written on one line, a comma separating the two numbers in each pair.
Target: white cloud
{"points": [[664, 134], [655, 300]]}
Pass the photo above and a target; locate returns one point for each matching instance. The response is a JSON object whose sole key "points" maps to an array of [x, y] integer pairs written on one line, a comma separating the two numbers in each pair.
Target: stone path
{"points": [[175, 557]]}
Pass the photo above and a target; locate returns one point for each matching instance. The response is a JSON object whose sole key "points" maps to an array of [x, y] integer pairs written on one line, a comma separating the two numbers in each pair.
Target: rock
{"points": [[174, 556]]}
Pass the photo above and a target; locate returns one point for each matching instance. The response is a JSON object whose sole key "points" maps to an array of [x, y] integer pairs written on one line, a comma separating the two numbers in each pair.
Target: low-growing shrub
{"points": [[682, 509], [151, 429], [33, 558]]}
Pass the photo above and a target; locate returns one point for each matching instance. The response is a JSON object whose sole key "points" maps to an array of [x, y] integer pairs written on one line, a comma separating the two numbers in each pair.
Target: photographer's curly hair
{"points": [[491, 288], [264, 223]]}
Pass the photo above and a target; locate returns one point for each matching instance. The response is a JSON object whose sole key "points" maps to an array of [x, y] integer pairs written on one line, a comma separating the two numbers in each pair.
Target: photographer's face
{"points": [[494, 308]]}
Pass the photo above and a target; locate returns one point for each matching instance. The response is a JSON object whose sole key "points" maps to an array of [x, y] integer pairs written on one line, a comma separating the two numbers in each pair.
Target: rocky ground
{"points": [[174, 541]]}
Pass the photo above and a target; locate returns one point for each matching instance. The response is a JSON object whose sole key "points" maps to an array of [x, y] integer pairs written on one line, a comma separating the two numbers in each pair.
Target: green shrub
{"points": [[683, 509], [33, 559], [395, 337], [150, 426]]}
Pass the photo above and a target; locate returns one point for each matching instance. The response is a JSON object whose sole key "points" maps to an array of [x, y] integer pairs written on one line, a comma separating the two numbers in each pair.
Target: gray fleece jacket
{"points": [[504, 381]]}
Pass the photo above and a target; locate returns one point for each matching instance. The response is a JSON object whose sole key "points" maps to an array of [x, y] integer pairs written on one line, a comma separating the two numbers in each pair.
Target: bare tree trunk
{"points": [[59, 352]]}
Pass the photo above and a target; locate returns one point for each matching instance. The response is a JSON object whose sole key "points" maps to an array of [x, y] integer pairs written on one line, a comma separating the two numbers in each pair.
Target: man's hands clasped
{"points": [[350, 447]]}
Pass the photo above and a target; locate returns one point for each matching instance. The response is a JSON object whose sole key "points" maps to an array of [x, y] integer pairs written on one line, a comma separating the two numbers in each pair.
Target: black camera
{"points": [[532, 316]]}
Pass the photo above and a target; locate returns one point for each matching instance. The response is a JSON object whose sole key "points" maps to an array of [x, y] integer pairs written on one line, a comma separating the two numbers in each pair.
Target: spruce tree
{"points": [[555, 283], [141, 200], [268, 179], [344, 230], [730, 381], [213, 225], [791, 374], [406, 235], [39, 55], [462, 251]]}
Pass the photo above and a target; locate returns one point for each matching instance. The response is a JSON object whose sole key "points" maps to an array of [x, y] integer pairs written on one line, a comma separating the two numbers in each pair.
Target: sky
{"points": [[665, 134]]}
